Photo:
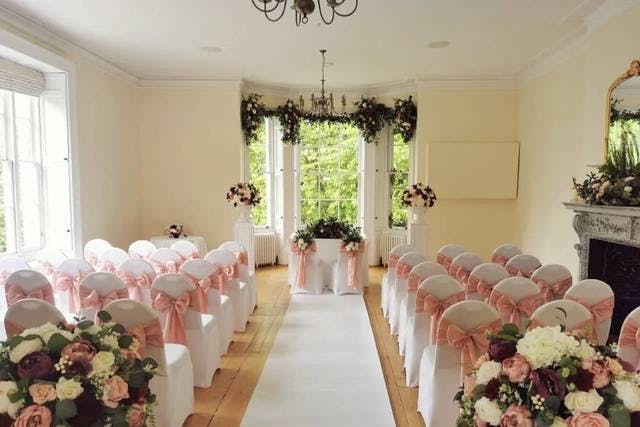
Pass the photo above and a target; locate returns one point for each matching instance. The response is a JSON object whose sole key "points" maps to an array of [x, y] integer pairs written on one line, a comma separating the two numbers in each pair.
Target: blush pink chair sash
{"points": [[168, 267], [402, 270], [91, 259], [444, 261], [201, 300], [46, 268], [513, 271], [15, 294], [301, 277], [601, 311], [135, 284], [4, 275], [222, 274], [630, 335], [393, 260], [352, 262], [90, 299], [475, 285], [414, 282], [108, 267], [174, 308], [499, 259], [428, 303], [553, 291], [514, 311], [148, 334], [69, 284], [471, 344], [242, 257], [460, 273]]}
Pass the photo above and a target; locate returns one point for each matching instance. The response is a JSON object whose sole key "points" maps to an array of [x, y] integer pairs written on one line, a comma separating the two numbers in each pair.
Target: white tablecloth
{"points": [[166, 242]]}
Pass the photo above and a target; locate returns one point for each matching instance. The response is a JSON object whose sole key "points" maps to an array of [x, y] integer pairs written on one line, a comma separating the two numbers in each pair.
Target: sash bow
{"points": [[174, 308]]}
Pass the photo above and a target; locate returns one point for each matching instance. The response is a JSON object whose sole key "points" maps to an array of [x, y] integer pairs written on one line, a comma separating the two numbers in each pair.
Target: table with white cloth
{"points": [[166, 242]]}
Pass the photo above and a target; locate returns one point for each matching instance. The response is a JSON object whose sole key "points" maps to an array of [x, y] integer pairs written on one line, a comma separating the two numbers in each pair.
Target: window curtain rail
{"points": [[18, 78]]}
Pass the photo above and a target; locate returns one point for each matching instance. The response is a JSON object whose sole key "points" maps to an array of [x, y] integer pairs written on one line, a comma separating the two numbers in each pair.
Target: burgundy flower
{"points": [[500, 350], [547, 383], [37, 366], [89, 409], [79, 349], [492, 388], [138, 394], [78, 366], [583, 379], [635, 419]]}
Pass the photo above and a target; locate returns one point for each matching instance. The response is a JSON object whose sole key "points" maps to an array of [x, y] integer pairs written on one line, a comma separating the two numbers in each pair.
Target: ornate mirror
{"points": [[623, 113]]}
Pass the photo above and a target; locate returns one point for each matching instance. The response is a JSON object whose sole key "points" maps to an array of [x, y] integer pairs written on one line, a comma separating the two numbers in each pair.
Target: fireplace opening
{"points": [[618, 265]]}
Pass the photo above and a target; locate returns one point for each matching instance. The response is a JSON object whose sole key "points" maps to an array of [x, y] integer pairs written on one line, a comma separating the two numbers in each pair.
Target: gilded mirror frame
{"points": [[633, 71]]}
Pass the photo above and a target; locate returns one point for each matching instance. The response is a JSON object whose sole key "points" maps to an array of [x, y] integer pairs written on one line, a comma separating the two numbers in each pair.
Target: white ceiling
{"points": [[385, 41]]}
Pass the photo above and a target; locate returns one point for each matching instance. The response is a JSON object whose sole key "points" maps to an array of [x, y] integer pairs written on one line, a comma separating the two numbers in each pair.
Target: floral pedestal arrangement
{"points": [[243, 196], [418, 215], [245, 213]]}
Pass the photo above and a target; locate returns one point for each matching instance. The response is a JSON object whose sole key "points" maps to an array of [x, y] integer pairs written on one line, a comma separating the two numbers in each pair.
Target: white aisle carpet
{"points": [[323, 370]]}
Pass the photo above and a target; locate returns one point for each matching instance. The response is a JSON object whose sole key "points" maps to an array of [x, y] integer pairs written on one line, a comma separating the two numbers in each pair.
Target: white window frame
{"points": [[271, 142]]}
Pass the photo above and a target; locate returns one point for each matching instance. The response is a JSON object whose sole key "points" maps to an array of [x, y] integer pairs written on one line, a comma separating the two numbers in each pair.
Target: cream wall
{"points": [[561, 130], [465, 115], [190, 148]]}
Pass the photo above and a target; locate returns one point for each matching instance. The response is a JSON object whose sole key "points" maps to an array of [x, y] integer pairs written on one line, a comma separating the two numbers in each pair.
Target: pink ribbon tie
{"points": [[15, 294], [68, 284], [301, 277], [553, 291], [175, 331], [352, 262], [435, 307], [514, 311]]}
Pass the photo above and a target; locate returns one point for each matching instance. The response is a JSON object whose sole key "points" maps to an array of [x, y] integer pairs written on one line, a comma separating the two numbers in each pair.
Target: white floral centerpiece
{"points": [[243, 196], [418, 198]]}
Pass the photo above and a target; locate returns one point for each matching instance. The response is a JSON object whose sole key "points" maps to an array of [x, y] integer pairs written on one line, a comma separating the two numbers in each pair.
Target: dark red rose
{"points": [[492, 388], [500, 350], [138, 394], [89, 409], [547, 383], [78, 366], [583, 379], [6, 421], [37, 366], [635, 419]]}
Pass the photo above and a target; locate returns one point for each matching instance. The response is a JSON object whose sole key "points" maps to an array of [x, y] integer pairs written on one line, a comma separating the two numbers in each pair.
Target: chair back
{"points": [[447, 253], [186, 249], [47, 260], [522, 265], [137, 275], [462, 266], [434, 295], [483, 278], [225, 264], [203, 275], [111, 259], [553, 280], [97, 290], [141, 249], [93, 249], [629, 342], [503, 253], [406, 264], [165, 260], [171, 296], [423, 271], [570, 314], [516, 299], [242, 256], [396, 252], [143, 323], [30, 313], [67, 279], [10, 264], [23, 284], [599, 299]]}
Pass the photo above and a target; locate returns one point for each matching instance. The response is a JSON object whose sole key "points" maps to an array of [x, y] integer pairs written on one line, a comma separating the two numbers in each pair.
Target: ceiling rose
{"points": [[274, 9]]}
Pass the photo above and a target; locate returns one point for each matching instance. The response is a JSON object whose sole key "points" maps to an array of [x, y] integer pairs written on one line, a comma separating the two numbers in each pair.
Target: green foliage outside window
{"points": [[398, 181], [329, 171], [257, 168]]}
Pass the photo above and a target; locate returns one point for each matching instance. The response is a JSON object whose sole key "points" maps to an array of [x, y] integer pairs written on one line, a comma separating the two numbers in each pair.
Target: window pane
{"points": [[7, 227], [29, 226], [398, 182], [308, 211], [26, 126], [257, 167]]}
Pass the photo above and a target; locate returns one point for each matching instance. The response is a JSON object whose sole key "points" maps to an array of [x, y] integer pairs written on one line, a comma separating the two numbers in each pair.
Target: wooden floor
{"points": [[224, 403]]}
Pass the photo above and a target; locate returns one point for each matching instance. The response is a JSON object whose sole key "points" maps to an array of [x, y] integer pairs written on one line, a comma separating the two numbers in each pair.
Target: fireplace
{"points": [[618, 265]]}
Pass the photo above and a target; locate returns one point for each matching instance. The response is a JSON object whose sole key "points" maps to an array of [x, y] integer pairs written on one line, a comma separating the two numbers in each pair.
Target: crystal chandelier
{"points": [[323, 105], [274, 9]]}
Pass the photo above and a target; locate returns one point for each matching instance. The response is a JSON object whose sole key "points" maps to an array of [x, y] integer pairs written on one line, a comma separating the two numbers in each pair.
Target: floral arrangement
{"points": [[90, 376], [289, 116], [369, 118], [175, 231], [252, 112], [331, 228], [302, 239], [419, 195], [405, 118], [243, 193], [352, 238], [548, 377]]}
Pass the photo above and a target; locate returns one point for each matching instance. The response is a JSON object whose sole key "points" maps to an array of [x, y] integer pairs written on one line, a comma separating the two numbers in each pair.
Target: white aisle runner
{"points": [[323, 370]]}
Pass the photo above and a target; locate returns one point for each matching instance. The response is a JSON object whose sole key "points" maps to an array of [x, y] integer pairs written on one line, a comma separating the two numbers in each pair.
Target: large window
{"points": [[257, 154], [328, 171], [398, 171]]}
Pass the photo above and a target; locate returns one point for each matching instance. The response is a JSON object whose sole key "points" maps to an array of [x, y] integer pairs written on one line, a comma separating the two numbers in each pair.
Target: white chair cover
{"points": [[483, 278], [461, 268], [165, 260], [447, 291], [342, 274], [23, 284], [403, 269], [389, 279], [202, 273], [110, 260], [313, 277], [523, 265], [629, 343], [237, 291], [504, 253], [516, 299], [173, 386], [47, 260], [202, 333], [66, 283], [440, 368], [599, 299], [247, 272], [97, 290], [578, 318], [417, 275], [137, 275], [186, 249], [93, 249], [447, 254], [141, 249], [553, 280], [9, 264], [30, 313]]}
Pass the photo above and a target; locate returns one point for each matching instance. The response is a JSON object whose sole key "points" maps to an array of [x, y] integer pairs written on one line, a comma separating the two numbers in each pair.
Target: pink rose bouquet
{"points": [[546, 377], [87, 375]]}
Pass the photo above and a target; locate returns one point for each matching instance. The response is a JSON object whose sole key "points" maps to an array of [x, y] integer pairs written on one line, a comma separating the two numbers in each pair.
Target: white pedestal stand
{"points": [[245, 234], [418, 230]]}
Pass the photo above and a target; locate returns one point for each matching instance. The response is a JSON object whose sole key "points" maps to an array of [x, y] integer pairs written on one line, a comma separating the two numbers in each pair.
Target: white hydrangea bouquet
{"points": [[419, 196], [548, 377], [87, 375]]}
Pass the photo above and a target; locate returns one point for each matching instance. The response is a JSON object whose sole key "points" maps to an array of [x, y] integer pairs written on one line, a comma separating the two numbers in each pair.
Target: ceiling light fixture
{"points": [[274, 10], [323, 105]]}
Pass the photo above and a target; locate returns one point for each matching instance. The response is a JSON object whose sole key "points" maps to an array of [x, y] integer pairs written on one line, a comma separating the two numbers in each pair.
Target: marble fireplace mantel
{"points": [[616, 224]]}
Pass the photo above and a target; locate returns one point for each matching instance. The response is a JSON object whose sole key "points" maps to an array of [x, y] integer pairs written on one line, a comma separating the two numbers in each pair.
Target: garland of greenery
{"points": [[370, 118]]}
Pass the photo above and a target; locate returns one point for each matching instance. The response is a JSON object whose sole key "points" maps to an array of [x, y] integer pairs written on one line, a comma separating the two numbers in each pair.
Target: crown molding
{"points": [[460, 84], [190, 83], [607, 11]]}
